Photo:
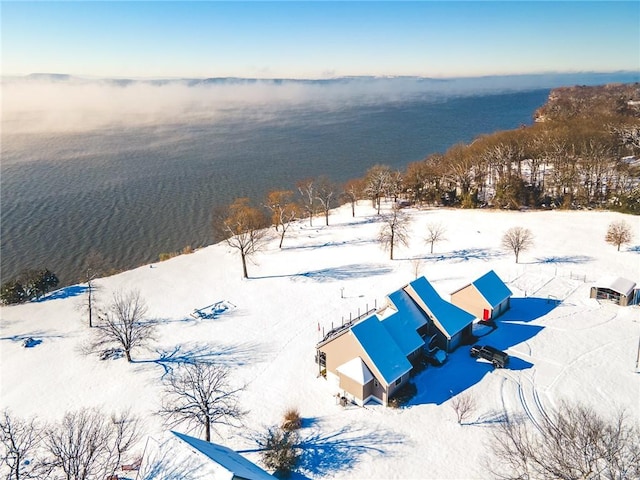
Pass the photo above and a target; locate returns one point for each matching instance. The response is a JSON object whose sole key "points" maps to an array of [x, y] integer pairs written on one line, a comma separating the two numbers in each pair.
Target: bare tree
{"points": [[124, 324], [201, 395], [377, 182], [351, 192], [416, 265], [307, 189], [517, 239], [93, 268], [394, 231], [283, 211], [244, 228], [435, 233], [20, 441], [463, 404], [89, 445], [573, 442], [618, 233], [326, 195]]}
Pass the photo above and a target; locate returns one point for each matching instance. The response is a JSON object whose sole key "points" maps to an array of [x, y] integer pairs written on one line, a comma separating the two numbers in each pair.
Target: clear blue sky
{"points": [[318, 39]]}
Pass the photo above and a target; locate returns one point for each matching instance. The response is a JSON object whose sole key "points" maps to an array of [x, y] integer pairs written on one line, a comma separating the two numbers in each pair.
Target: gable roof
{"points": [[356, 370], [617, 284], [448, 317], [234, 463], [404, 322], [492, 288], [381, 349]]}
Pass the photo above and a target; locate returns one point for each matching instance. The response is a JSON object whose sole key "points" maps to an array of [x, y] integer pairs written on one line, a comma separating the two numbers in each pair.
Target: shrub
{"points": [[166, 256], [403, 395], [12, 292], [186, 250], [279, 450], [291, 420]]}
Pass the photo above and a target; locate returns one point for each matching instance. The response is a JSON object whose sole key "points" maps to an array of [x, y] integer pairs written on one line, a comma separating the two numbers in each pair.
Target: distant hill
{"points": [[612, 100]]}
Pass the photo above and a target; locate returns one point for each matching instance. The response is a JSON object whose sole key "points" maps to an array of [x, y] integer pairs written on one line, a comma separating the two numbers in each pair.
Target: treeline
{"points": [[580, 153], [30, 284]]}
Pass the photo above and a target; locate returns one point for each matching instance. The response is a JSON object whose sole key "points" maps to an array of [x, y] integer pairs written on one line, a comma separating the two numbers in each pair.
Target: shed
{"points": [[487, 297], [618, 290]]}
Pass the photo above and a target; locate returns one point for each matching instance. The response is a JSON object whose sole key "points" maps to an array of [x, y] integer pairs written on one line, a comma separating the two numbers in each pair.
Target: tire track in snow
{"points": [[529, 399]]}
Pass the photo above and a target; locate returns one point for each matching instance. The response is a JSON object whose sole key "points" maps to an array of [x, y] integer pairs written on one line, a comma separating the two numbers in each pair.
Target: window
{"points": [[398, 381]]}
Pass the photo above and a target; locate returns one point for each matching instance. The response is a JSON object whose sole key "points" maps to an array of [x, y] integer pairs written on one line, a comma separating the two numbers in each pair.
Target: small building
{"points": [[615, 289], [487, 297], [451, 324], [183, 456]]}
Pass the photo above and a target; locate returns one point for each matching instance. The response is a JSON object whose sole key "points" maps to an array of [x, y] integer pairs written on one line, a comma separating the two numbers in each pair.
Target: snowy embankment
{"points": [[563, 344]]}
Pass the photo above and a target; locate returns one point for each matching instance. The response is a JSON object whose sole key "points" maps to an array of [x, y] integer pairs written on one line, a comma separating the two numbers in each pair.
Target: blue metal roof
{"points": [[227, 458], [404, 323], [381, 348], [492, 288], [452, 318]]}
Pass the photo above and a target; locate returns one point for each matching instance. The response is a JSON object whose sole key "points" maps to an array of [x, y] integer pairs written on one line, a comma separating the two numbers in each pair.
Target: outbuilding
{"points": [[618, 290], [487, 297]]}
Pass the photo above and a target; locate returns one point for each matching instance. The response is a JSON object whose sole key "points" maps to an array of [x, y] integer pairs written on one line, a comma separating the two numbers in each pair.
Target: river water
{"points": [[131, 192]]}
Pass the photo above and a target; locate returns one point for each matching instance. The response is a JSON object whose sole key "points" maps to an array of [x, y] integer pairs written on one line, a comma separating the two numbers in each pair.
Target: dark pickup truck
{"points": [[498, 358]]}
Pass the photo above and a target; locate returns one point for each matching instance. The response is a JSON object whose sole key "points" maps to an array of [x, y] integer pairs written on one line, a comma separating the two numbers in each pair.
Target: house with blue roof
{"points": [[487, 297], [182, 456], [371, 358], [450, 324]]}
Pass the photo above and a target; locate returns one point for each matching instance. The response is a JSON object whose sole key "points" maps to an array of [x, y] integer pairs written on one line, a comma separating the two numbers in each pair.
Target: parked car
{"points": [[498, 358]]}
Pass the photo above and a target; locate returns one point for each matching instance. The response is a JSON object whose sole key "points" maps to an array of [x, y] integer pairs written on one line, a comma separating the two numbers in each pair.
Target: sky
{"points": [[318, 39]]}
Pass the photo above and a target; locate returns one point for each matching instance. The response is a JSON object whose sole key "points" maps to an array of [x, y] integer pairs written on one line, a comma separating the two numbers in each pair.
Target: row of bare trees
{"points": [[84, 445]]}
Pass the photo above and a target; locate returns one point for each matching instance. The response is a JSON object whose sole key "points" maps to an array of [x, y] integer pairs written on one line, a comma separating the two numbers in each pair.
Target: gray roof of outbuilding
{"points": [[620, 285]]}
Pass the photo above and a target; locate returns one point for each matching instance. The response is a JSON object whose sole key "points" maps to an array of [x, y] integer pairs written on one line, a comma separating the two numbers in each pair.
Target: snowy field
{"points": [[563, 344]]}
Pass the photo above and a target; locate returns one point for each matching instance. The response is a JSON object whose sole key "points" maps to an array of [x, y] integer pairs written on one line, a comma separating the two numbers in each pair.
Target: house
{"points": [[183, 456], [487, 297], [371, 358], [615, 289], [451, 324]]}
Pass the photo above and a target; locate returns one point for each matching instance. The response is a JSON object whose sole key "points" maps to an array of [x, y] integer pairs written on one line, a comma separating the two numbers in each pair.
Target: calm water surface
{"points": [[132, 193]]}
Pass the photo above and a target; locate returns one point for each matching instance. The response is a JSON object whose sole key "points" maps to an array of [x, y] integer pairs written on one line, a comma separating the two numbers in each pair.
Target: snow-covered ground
{"points": [[563, 344]]}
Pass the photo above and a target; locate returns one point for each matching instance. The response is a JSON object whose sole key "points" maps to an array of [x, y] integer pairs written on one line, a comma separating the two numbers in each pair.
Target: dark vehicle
{"points": [[498, 358]]}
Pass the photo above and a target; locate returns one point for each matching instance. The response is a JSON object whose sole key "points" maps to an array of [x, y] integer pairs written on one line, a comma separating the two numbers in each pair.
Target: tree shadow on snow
{"points": [[37, 336], [326, 454], [635, 249], [66, 292], [227, 355], [564, 259], [345, 272], [330, 244], [467, 254]]}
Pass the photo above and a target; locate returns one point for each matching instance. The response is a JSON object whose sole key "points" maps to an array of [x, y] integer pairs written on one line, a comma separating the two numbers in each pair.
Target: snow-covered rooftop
{"points": [[620, 285], [356, 370]]}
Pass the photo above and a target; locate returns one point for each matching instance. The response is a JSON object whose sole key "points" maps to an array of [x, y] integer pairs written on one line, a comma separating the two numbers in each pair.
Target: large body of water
{"points": [[132, 192]]}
